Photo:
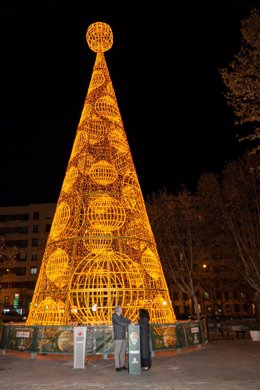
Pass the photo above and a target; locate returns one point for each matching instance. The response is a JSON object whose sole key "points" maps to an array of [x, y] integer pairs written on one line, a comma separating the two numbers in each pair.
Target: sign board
{"points": [[22, 334], [16, 301], [195, 329], [134, 354], [79, 346]]}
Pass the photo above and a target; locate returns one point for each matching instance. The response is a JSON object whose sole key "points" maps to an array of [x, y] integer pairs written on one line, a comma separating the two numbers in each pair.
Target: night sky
{"points": [[164, 66]]}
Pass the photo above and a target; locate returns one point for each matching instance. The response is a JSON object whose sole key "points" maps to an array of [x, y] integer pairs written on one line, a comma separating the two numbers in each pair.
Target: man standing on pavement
{"points": [[119, 327]]}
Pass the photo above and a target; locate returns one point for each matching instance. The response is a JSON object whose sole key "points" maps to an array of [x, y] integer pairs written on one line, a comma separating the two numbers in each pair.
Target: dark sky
{"points": [[164, 67]]}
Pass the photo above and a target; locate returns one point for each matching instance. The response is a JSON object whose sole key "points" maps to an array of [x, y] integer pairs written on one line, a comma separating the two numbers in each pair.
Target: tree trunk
{"points": [[257, 307]]}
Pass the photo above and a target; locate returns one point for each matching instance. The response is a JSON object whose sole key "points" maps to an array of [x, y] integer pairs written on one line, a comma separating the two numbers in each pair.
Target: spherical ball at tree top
{"points": [[99, 37]]}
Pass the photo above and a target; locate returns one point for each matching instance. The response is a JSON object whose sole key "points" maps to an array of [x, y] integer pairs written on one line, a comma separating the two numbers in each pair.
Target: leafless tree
{"points": [[178, 227], [234, 199]]}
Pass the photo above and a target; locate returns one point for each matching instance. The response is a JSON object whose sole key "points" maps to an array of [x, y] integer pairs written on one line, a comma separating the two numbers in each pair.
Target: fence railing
{"points": [[99, 340]]}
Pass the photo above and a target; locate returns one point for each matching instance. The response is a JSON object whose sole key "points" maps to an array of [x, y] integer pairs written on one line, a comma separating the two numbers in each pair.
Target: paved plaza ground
{"points": [[232, 364]]}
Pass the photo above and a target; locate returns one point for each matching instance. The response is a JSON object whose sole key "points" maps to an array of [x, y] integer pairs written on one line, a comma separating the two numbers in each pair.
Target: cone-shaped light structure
{"points": [[101, 250]]}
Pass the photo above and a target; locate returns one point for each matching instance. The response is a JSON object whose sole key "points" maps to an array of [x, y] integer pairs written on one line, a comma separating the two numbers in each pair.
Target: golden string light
{"points": [[101, 250]]}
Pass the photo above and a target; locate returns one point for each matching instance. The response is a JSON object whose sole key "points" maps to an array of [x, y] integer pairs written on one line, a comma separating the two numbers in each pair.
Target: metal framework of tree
{"points": [[101, 250]]}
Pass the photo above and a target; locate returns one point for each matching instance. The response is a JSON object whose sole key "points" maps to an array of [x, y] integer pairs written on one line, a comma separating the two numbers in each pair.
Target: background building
{"points": [[23, 234]]}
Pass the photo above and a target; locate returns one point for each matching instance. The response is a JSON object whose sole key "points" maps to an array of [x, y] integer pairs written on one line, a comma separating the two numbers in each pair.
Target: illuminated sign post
{"points": [[16, 301], [134, 353]]}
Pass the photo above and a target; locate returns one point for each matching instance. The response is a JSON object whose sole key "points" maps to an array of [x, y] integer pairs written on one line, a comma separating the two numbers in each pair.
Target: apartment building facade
{"points": [[23, 234]]}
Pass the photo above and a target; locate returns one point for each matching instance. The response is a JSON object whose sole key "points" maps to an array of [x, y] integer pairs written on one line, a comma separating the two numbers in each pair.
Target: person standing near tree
{"points": [[120, 324], [145, 349]]}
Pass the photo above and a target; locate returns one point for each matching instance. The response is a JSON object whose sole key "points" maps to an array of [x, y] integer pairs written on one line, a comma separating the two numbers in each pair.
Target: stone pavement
{"points": [[232, 364]]}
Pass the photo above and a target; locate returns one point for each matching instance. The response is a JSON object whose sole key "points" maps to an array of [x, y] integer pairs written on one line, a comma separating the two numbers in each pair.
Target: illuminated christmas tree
{"points": [[101, 251]]}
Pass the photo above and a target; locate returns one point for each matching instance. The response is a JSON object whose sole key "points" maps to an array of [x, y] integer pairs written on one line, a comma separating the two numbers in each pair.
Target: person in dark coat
{"points": [[145, 349], [120, 324]]}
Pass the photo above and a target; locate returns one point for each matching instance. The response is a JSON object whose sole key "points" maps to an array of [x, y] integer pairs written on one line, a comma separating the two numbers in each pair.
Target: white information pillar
{"points": [[79, 342]]}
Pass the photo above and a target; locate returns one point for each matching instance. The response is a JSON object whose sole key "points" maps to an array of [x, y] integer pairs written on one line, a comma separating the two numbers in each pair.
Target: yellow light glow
{"points": [[101, 250]]}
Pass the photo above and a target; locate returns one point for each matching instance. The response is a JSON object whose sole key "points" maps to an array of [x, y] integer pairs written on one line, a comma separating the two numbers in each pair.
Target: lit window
{"points": [[33, 270]]}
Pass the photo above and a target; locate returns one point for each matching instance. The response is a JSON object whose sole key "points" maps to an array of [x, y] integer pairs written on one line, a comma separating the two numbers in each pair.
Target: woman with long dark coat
{"points": [[145, 349]]}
